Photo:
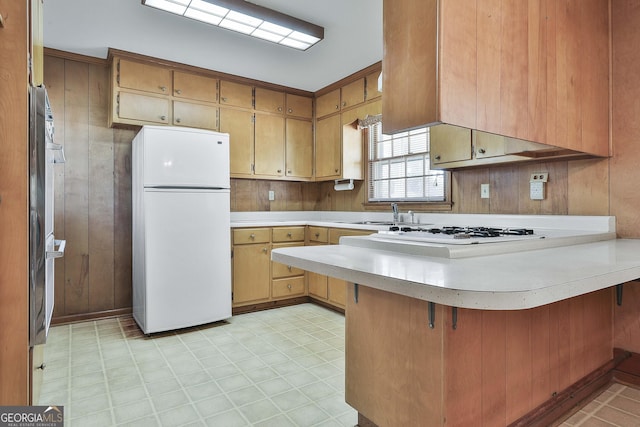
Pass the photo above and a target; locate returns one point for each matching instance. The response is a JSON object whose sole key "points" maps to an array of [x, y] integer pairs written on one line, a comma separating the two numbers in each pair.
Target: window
{"points": [[399, 168]]}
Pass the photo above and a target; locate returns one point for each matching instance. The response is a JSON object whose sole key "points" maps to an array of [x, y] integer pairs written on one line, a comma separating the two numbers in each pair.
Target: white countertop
{"points": [[512, 281]]}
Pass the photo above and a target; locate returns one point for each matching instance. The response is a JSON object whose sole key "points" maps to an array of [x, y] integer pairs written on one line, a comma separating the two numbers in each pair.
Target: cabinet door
{"points": [[328, 147], [371, 86], [239, 126], [352, 94], [251, 274], [195, 86], [449, 144], [487, 144], [269, 145], [299, 148], [145, 77], [142, 108], [299, 106], [195, 115], [337, 292], [236, 94], [270, 101], [317, 285], [328, 103]]}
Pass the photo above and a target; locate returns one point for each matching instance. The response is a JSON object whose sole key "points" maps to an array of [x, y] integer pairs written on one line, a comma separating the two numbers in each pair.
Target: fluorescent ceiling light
{"points": [[246, 18]]}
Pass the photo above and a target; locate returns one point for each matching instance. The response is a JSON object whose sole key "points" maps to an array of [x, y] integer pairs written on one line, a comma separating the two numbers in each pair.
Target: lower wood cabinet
{"points": [[251, 272]]}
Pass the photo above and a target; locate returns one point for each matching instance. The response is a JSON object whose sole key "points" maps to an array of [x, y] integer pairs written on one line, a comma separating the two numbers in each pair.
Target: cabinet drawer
{"points": [[243, 236], [282, 270], [288, 234], [336, 233], [289, 287], [318, 234]]}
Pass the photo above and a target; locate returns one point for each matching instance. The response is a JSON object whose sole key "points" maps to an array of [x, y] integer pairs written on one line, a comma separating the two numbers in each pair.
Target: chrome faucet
{"points": [[394, 209]]}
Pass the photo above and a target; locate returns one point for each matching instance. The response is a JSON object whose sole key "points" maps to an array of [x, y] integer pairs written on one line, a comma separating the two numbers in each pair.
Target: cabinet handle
{"points": [[289, 172], [178, 91], [279, 170], [178, 120], [482, 151], [42, 366], [163, 88], [289, 286], [288, 234], [289, 267], [264, 250], [336, 170], [163, 117], [437, 157], [252, 236], [317, 234], [280, 109]]}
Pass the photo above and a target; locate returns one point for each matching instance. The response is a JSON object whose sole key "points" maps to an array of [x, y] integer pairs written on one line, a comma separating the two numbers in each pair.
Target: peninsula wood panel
{"points": [[14, 206]]}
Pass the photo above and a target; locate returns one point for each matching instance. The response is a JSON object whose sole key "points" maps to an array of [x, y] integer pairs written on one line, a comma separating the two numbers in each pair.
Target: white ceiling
{"points": [[353, 38]]}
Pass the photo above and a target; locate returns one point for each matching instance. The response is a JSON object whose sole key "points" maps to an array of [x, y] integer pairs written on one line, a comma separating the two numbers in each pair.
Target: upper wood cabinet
{"points": [[342, 98], [239, 125], [195, 115], [269, 145], [371, 86], [299, 148], [236, 94], [270, 101], [195, 87], [536, 71], [299, 106], [144, 77]]}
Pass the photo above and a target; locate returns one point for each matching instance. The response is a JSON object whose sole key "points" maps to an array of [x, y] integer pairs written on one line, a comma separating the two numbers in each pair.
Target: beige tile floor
{"points": [[618, 406], [282, 367]]}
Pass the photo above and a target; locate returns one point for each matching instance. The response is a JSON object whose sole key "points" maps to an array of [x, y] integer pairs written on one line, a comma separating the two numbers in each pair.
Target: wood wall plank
{"points": [[76, 257], [101, 193], [494, 372], [489, 66], [518, 364]]}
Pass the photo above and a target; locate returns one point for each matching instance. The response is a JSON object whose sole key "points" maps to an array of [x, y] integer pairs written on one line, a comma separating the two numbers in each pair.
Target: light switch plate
{"points": [[484, 191]]}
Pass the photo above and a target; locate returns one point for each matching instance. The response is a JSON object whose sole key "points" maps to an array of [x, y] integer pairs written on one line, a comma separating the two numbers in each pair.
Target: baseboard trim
{"points": [[96, 315]]}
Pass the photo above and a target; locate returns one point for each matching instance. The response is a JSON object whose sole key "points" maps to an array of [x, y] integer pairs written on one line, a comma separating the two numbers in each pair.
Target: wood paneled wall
{"points": [[93, 191]]}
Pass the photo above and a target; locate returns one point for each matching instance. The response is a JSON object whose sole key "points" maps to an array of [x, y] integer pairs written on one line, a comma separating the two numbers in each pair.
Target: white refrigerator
{"points": [[181, 228]]}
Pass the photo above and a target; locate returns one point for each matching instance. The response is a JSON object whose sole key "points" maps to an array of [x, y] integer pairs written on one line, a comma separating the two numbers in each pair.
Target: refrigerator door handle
{"points": [[60, 252]]}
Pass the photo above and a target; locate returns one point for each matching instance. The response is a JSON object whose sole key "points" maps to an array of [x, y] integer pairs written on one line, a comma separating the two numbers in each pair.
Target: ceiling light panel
{"points": [[246, 18]]}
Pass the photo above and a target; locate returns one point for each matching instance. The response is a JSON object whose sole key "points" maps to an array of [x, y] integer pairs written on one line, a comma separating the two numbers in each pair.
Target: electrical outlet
{"points": [[272, 195], [536, 185], [484, 191]]}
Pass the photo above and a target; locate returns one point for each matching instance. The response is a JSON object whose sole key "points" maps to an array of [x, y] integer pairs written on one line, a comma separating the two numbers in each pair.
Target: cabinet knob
{"points": [[337, 106], [178, 91], [279, 170], [289, 235], [289, 286], [289, 267], [163, 117], [482, 151], [289, 172], [437, 157], [344, 104], [252, 236], [264, 250], [290, 110], [280, 109], [336, 170], [42, 366], [163, 88], [178, 120], [317, 234], [223, 99]]}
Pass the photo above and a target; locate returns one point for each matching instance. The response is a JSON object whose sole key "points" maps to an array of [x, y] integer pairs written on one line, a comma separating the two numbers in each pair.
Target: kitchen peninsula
{"points": [[482, 340]]}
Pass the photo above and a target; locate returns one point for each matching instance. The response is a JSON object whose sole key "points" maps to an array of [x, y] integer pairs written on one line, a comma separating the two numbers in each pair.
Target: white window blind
{"points": [[399, 167]]}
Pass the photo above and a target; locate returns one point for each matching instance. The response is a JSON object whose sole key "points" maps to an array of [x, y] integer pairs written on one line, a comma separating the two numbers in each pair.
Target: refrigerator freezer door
{"points": [[187, 260], [179, 157]]}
